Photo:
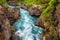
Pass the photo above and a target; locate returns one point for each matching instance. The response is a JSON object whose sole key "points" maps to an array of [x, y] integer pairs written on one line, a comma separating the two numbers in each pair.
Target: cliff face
{"points": [[6, 31], [58, 17], [13, 15], [49, 18], [4, 28]]}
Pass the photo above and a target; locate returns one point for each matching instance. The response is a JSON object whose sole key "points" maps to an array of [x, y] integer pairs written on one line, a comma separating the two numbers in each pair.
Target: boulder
{"points": [[34, 11], [13, 15], [39, 23], [23, 5], [5, 32], [14, 37]]}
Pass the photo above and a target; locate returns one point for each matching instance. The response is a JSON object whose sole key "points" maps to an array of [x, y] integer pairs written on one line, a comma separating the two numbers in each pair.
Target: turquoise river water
{"points": [[26, 29]]}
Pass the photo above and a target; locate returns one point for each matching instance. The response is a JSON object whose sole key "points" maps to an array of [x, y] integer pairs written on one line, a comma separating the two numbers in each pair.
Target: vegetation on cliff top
{"points": [[46, 15], [48, 6], [2, 1]]}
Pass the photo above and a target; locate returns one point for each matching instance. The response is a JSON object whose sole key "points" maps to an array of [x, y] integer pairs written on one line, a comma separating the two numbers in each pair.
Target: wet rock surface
{"points": [[34, 11], [14, 37]]}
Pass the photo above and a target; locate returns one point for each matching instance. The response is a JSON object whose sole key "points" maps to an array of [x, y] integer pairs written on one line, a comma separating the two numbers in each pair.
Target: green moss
{"points": [[30, 2], [46, 15], [2, 1]]}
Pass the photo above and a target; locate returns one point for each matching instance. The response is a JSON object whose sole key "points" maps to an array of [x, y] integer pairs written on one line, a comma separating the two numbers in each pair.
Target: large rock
{"points": [[23, 5], [58, 16], [47, 37], [35, 11], [5, 28], [39, 23], [5, 32], [13, 15], [2, 10], [14, 37]]}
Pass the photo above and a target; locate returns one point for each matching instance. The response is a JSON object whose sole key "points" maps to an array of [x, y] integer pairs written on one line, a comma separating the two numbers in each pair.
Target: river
{"points": [[26, 29]]}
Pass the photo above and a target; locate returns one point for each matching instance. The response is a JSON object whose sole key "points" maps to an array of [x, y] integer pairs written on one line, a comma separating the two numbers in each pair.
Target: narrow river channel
{"points": [[26, 29]]}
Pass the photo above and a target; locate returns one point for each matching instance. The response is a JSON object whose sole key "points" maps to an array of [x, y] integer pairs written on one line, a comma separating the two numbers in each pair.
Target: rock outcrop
{"points": [[58, 17], [34, 11], [13, 15], [6, 31]]}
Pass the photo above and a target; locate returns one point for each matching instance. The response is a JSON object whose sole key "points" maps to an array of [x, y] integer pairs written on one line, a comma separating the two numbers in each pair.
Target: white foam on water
{"points": [[26, 29]]}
